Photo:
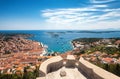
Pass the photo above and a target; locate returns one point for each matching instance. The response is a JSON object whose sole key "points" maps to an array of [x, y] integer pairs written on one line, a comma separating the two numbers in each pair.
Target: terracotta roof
{"points": [[117, 42], [107, 59]]}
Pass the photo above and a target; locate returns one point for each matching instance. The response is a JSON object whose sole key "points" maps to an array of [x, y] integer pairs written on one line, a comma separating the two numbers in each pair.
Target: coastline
{"points": [[27, 54], [36, 55], [42, 36]]}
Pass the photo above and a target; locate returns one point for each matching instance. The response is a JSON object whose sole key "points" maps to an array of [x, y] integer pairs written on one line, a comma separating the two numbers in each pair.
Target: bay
{"points": [[59, 40]]}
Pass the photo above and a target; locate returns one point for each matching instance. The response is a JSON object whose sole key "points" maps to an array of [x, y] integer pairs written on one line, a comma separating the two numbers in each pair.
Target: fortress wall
{"points": [[88, 72], [57, 65], [44, 65], [98, 72], [70, 64], [42, 74], [54, 66]]}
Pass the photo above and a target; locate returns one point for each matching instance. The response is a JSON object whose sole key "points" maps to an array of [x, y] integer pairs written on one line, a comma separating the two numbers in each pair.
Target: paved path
{"points": [[71, 73], [70, 57]]}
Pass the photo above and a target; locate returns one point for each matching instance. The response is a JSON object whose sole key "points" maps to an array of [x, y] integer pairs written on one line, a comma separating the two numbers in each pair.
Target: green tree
{"points": [[29, 75]]}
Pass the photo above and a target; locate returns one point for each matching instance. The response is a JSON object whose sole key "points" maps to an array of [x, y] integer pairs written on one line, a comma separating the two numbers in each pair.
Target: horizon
{"points": [[59, 15], [97, 30]]}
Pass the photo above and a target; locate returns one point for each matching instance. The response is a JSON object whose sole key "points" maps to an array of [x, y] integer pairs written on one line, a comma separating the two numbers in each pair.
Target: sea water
{"points": [[59, 40]]}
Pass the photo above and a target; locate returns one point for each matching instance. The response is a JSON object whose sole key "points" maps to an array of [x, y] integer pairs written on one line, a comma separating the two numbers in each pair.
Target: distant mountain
{"points": [[109, 29]]}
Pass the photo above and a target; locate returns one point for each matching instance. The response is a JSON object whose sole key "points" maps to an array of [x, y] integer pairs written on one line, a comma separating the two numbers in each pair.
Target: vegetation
{"points": [[113, 68], [88, 40], [108, 50], [108, 46], [25, 75], [10, 76]]}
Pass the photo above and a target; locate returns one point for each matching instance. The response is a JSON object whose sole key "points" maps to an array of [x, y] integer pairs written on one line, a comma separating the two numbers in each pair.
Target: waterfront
{"points": [[59, 40], [29, 52]]}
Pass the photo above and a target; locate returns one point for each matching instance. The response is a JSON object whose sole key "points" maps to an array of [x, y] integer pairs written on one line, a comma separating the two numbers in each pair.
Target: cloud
{"points": [[76, 17], [104, 25], [87, 26], [102, 1], [98, 6], [79, 14]]}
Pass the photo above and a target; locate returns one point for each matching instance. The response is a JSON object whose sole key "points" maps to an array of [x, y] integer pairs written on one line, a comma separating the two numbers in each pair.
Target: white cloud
{"points": [[68, 11], [96, 15], [105, 25], [87, 26], [79, 15], [101, 1], [102, 6]]}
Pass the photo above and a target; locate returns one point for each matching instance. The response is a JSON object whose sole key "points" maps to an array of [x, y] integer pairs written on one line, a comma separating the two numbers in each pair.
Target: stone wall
{"points": [[42, 74], [70, 64], [97, 72], [44, 66], [87, 72], [54, 66]]}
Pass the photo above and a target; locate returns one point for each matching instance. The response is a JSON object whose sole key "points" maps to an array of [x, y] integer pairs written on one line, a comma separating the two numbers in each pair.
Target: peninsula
{"points": [[20, 56]]}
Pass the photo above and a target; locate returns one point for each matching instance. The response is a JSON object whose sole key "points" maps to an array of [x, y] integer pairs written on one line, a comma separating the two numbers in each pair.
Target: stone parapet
{"points": [[98, 71]]}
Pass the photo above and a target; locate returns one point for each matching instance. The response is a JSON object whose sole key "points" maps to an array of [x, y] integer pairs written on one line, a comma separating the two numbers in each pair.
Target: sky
{"points": [[59, 14]]}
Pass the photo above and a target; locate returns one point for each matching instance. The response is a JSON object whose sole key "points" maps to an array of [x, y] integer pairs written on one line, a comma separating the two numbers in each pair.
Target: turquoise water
{"points": [[59, 40]]}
